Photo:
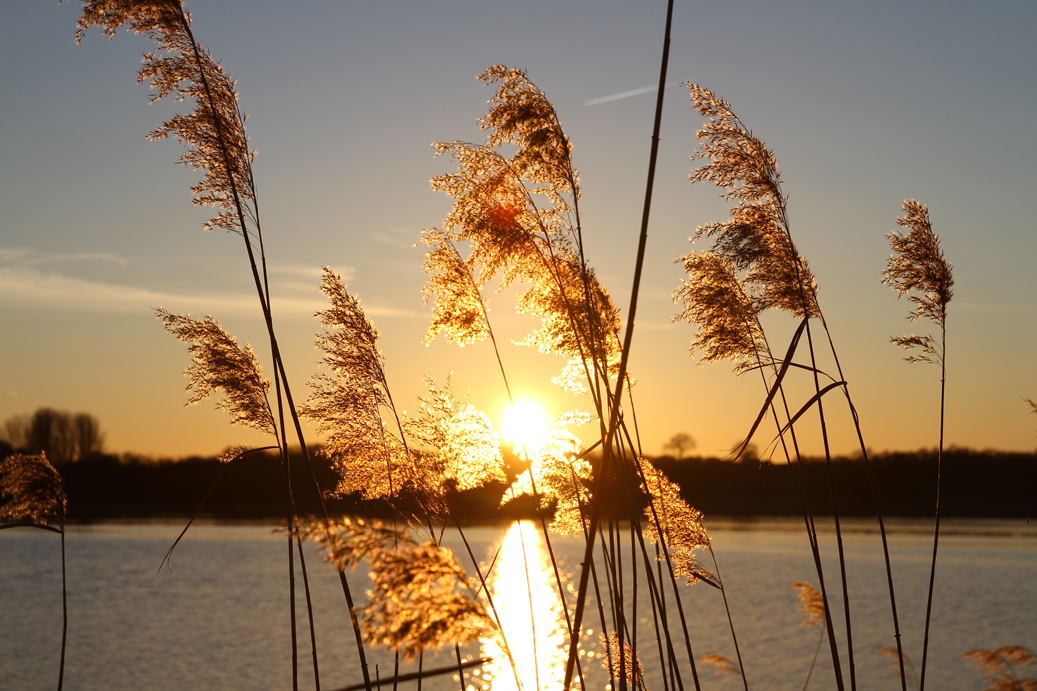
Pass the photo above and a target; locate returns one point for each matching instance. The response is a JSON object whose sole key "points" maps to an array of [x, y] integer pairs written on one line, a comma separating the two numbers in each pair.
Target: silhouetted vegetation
{"points": [[977, 484]]}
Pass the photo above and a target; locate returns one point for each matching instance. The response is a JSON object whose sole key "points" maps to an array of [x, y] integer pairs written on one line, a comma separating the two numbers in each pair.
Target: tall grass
{"points": [[516, 223]]}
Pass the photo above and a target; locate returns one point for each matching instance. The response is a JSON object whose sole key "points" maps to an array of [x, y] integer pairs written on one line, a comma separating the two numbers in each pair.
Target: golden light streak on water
{"points": [[524, 575]]}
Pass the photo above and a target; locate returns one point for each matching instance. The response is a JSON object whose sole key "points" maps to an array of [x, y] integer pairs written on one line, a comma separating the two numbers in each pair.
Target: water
{"points": [[220, 618]]}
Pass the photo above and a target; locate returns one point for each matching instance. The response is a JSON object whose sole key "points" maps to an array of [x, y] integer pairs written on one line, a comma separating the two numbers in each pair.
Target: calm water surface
{"points": [[220, 618]]}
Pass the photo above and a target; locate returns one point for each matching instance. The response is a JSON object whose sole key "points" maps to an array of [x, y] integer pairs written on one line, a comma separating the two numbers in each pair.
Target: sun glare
{"points": [[525, 423]]}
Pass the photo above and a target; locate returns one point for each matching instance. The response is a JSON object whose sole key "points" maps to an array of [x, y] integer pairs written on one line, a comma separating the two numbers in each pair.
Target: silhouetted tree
{"points": [[61, 435], [679, 445]]}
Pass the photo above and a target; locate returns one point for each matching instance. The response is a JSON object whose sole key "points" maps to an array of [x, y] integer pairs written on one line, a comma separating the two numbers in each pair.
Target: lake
{"points": [[220, 618]]}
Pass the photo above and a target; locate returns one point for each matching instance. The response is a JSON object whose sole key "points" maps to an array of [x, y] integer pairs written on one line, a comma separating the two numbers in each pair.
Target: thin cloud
{"points": [[401, 238], [30, 257], [25, 285], [627, 94]]}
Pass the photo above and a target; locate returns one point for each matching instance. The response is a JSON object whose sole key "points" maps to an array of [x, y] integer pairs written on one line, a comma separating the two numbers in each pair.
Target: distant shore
{"points": [[977, 484]]}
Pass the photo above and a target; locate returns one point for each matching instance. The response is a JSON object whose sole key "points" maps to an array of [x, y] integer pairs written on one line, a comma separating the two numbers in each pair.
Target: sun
{"points": [[525, 423]]}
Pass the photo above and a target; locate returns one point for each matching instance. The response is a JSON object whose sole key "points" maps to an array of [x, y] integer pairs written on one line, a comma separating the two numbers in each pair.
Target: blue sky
{"points": [[864, 104]]}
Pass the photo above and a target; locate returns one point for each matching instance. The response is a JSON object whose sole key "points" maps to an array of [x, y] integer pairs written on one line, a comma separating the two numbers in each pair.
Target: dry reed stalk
{"points": [[918, 269]]}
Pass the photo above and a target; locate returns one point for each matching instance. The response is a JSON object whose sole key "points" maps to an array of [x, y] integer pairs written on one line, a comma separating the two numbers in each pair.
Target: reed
{"points": [[918, 269], [1001, 667], [34, 495]]}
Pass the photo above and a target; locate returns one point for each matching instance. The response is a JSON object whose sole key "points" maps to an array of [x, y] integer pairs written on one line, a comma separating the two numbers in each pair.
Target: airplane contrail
{"points": [[626, 94]]}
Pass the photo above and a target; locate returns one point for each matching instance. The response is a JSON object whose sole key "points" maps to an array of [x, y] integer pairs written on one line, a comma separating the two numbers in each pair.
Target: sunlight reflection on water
{"points": [[526, 600]]}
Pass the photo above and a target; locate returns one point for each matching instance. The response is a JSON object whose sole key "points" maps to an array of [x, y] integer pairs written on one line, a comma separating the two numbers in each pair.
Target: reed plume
{"points": [[674, 521], [756, 239], [557, 473], [421, 597], [918, 269], [347, 405], [811, 604], [514, 237], [33, 489], [724, 666], [214, 132], [999, 667], [715, 300], [631, 672], [220, 364], [894, 661], [464, 446]]}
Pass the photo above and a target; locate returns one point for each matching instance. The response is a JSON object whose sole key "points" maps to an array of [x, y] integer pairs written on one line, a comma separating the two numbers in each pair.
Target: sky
{"points": [[863, 104]]}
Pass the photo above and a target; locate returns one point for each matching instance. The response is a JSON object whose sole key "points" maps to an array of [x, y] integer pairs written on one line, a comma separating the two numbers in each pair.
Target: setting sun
{"points": [[525, 423]]}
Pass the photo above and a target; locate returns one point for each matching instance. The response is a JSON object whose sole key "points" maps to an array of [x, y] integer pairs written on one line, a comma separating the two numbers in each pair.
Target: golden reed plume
{"points": [[221, 365], [420, 598], [32, 489]]}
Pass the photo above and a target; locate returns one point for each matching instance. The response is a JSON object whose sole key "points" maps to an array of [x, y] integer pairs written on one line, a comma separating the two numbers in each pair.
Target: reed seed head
{"points": [[918, 269], [674, 521], [463, 443], [347, 406], [632, 670], [756, 239], [715, 300], [514, 237], [556, 473], [421, 597], [811, 603], [214, 132], [221, 365], [893, 656], [31, 489], [724, 665], [1000, 664]]}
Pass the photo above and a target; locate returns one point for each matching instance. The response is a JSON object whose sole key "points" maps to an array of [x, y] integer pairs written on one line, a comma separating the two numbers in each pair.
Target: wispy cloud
{"points": [[627, 94], [28, 286], [303, 278], [30, 257], [399, 237]]}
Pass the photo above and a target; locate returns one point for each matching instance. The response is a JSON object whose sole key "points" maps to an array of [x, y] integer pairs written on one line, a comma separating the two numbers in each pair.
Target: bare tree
{"points": [[61, 435], [679, 445]]}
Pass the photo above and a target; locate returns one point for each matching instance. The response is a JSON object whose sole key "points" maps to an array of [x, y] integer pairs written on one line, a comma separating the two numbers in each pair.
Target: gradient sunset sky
{"points": [[864, 105]]}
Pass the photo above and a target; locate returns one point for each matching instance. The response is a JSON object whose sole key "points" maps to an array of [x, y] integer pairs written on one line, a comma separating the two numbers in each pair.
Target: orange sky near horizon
{"points": [[862, 107]]}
